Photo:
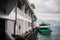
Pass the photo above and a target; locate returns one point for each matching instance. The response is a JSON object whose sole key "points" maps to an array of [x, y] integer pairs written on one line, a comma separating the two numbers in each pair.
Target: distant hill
{"points": [[52, 22]]}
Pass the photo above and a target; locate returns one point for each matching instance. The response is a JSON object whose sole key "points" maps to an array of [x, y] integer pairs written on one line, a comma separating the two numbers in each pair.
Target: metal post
{"points": [[15, 22]]}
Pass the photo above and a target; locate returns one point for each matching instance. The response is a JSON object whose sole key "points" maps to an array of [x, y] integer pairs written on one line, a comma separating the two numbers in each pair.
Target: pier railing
{"points": [[32, 35]]}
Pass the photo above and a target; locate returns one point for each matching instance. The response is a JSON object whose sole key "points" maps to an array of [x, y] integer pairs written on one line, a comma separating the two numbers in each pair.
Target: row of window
{"points": [[28, 23], [20, 5]]}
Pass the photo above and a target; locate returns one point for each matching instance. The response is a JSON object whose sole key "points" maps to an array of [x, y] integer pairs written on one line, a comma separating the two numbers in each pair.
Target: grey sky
{"points": [[47, 9]]}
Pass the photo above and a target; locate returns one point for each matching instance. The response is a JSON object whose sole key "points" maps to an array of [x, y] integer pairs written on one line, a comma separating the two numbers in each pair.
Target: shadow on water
{"points": [[55, 34]]}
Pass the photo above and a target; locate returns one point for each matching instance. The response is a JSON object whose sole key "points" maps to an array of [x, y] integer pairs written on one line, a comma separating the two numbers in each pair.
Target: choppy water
{"points": [[55, 34]]}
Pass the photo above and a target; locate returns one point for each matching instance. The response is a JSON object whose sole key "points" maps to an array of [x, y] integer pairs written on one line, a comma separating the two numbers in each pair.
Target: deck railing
{"points": [[30, 36]]}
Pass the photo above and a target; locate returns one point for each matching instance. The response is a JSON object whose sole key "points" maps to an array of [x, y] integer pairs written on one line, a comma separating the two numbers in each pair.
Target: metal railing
{"points": [[32, 35]]}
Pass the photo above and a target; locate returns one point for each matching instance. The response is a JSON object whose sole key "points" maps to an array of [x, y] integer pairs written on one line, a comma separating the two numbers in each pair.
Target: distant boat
{"points": [[44, 29]]}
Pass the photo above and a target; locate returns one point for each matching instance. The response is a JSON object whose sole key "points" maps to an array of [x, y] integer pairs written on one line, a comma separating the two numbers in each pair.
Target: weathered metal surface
{"points": [[32, 35]]}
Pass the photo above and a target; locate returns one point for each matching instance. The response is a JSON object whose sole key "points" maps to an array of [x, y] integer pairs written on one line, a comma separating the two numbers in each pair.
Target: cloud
{"points": [[47, 9], [46, 16], [47, 6]]}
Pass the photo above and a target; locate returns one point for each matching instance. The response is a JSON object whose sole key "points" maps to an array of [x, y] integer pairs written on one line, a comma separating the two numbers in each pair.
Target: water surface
{"points": [[55, 34]]}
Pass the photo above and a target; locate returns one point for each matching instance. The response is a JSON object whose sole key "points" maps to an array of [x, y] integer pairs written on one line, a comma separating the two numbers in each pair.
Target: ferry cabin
{"points": [[9, 11]]}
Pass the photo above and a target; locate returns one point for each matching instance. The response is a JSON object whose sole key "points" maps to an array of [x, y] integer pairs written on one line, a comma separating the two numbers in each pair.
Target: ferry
{"points": [[45, 29]]}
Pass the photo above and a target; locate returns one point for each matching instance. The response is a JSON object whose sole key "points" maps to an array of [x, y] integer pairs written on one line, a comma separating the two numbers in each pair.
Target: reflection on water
{"points": [[55, 34]]}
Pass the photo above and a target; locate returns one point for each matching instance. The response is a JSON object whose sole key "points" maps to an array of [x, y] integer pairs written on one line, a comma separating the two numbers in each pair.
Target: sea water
{"points": [[55, 34]]}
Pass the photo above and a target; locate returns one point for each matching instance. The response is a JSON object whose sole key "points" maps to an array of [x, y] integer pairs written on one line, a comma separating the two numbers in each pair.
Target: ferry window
{"points": [[5, 25], [20, 5], [25, 10], [3, 5], [28, 24], [3, 10], [29, 13]]}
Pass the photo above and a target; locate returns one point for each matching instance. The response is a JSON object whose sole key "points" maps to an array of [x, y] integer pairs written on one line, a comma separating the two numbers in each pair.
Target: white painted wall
{"points": [[22, 17], [10, 28], [19, 22], [24, 26], [11, 16], [22, 21]]}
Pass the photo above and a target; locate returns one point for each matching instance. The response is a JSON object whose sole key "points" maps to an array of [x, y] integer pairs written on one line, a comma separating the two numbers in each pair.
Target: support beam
{"points": [[15, 22]]}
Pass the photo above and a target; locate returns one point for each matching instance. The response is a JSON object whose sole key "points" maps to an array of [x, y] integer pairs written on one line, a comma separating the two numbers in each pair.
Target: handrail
{"points": [[30, 34]]}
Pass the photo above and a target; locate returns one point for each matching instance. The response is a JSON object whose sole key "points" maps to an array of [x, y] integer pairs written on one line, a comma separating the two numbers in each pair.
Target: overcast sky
{"points": [[47, 9]]}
